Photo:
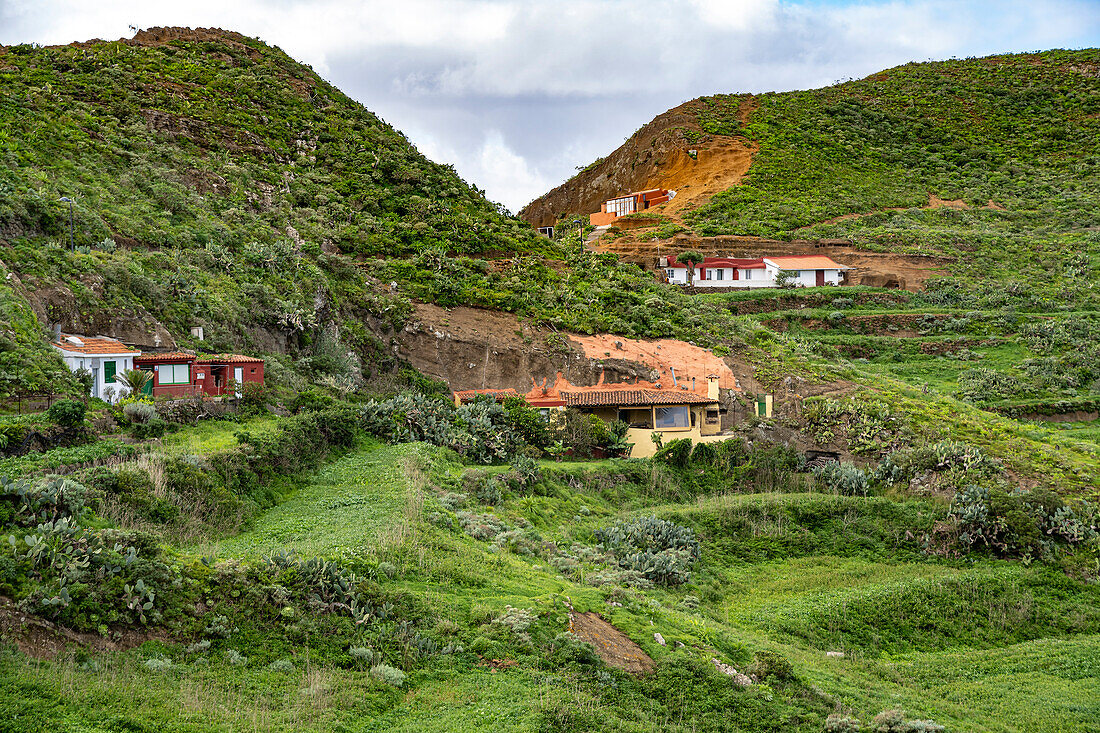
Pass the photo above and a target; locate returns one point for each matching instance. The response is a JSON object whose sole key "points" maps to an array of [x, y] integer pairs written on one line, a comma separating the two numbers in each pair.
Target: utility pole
{"points": [[72, 241]]}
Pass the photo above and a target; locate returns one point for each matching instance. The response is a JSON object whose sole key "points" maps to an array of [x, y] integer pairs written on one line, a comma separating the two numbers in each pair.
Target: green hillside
{"points": [[347, 550], [215, 179]]}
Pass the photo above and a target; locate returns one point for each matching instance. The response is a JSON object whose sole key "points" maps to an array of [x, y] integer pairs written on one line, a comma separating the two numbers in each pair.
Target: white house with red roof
{"points": [[103, 357], [761, 272]]}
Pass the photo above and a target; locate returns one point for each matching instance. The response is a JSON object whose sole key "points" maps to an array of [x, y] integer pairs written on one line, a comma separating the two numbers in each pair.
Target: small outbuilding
{"points": [[101, 356], [179, 374]]}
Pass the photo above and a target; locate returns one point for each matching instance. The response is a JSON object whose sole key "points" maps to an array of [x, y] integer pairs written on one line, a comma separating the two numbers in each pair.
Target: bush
{"points": [[139, 413], [659, 550], [385, 673], [770, 664], [311, 400], [836, 723], [253, 398], [893, 721], [154, 428], [841, 478], [675, 453], [982, 384], [67, 413]]}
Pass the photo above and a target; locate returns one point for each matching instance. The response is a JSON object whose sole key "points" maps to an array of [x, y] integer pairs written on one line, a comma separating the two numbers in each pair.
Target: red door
{"points": [[820, 277]]}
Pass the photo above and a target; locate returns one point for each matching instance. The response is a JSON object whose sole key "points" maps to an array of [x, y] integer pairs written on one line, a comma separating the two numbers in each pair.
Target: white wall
{"points": [[759, 279], [94, 364]]}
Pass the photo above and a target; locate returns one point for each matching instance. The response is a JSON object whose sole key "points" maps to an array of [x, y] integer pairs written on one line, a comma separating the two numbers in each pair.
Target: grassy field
{"points": [[213, 436], [991, 646]]}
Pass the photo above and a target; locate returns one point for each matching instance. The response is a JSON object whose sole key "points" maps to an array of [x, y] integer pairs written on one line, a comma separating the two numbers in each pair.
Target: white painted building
{"points": [[102, 356], [726, 272], [806, 272]]}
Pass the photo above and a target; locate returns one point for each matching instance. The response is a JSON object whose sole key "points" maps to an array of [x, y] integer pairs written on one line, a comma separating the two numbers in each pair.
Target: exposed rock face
{"points": [[654, 156], [471, 348], [137, 327]]}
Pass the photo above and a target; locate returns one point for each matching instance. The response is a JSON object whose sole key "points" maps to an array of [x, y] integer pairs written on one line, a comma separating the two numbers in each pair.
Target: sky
{"points": [[518, 94]]}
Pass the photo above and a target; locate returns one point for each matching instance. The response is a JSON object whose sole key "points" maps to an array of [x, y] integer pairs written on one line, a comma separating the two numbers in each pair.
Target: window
{"points": [[712, 417], [748, 274], [677, 416], [671, 274], [637, 417], [721, 274], [621, 206], [174, 373], [253, 370]]}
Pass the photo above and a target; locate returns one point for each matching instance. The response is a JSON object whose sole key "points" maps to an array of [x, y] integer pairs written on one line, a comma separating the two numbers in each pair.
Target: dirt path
{"points": [[613, 646]]}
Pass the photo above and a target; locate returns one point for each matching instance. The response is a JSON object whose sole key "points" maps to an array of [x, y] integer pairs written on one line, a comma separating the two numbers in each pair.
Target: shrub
{"points": [[660, 550], [842, 478], [311, 400], [675, 453], [281, 665], [837, 723], [361, 654], [139, 413], [154, 428], [253, 398], [67, 413], [158, 664], [982, 384], [235, 658], [385, 673], [893, 721], [770, 664]]}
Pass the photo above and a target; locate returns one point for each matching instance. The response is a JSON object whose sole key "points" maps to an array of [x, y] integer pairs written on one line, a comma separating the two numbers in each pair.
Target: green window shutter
{"points": [[109, 372], [148, 388]]}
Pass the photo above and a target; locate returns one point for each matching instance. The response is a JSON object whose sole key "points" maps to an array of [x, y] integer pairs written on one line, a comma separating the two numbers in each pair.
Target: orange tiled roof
{"points": [[605, 397], [499, 394], [166, 356], [228, 358], [93, 345], [813, 262]]}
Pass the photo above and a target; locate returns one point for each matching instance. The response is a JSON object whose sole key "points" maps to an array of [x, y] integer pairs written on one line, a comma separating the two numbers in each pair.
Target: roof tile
{"points": [[93, 345]]}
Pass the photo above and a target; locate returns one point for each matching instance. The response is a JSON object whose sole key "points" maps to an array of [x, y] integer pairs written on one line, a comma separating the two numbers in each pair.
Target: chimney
{"points": [[712, 386]]}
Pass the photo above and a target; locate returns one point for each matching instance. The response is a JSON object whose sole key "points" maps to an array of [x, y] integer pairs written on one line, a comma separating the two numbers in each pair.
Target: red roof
{"points": [[709, 262], [603, 396], [227, 358], [167, 356], [92, 345]]}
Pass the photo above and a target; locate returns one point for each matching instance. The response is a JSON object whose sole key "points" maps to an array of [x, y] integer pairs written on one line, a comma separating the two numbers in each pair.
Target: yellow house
{"points": [[647, 409]]}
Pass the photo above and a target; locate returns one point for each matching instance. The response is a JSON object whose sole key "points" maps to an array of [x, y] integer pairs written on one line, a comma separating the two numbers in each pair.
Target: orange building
{"points": [[630, 203]]}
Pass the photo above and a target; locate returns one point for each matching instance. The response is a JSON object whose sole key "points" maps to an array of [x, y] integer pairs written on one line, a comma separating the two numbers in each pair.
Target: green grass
{"points": [[213, 436], [342, 513], [977, 646]]}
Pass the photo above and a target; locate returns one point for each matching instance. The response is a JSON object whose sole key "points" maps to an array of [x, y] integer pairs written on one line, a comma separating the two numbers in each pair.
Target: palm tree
{"points": [[134, 379]]}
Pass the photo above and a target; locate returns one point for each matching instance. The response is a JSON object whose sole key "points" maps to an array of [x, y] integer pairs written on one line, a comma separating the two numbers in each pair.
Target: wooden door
{"points": [[820, 277]]}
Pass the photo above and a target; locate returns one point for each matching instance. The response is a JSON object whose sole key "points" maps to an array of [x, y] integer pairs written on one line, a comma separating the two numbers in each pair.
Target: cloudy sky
{"points": [[518, 93]]}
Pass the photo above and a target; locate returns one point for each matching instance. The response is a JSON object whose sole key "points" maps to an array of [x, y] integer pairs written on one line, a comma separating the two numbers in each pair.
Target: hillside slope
{"points": [[981, 155], [217, 183]]}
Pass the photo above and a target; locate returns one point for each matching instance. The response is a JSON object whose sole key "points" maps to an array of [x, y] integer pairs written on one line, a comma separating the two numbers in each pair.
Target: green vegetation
{"points": [[311, 558]]}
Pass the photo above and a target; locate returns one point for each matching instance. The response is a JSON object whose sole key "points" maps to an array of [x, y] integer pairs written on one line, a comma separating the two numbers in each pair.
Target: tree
{"points": [[134, 379], [691, 258]]}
